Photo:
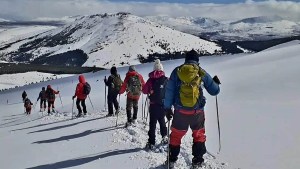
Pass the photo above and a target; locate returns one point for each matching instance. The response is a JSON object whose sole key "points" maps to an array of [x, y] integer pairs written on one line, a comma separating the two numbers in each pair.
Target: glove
{"points": [[57, 91], [216, 79], [169, 114], [73, 97]]}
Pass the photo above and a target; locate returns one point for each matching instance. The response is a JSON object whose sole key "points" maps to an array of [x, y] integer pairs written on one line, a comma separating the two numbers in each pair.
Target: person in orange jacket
{"points": [[80, 96], [133, 84], [50, 93]]}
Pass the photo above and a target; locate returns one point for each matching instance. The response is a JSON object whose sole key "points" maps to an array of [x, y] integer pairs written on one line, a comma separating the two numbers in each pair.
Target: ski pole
{"points": [[91, 102], [218, 124], [118, 113], [148, 110], [60, 98], [168, 156], [105, 93], [73, 109], [142, 106]]}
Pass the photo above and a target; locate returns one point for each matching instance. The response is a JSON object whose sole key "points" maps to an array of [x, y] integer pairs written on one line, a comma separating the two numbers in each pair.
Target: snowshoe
{"points": [[78, 115], [109, 115], [197, 165], [134, 121]]}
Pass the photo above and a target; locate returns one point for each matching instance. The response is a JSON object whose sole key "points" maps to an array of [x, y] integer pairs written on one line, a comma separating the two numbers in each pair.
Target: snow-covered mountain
{"points": [[3, 20], [104, 40], [255, 28]]}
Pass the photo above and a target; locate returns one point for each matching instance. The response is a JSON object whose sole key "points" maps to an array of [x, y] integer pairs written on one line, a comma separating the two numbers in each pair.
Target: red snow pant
{"points": [[183, 119]]}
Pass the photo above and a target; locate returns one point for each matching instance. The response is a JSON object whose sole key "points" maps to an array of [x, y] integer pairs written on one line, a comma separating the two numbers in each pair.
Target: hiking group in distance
{"points": [[178, 98]]}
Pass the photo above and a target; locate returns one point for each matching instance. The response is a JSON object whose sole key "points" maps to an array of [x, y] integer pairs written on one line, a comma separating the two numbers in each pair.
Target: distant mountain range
{"points": [[103, 40], [256, 28]]}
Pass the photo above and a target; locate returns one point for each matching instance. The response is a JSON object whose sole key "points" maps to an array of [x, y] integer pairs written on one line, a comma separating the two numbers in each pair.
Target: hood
{"points": [[131, 73], [81, 79], [156, 74], [49, 87]]}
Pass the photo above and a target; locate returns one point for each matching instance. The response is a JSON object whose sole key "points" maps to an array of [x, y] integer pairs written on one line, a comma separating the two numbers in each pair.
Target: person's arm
{"points": [[210, 85], [40, 95], [170, 90], [124, 86], [147, 87]]}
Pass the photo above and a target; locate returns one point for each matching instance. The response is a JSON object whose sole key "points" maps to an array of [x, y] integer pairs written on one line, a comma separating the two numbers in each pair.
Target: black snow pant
{"points": [[43, 102], [82, 101], [50, 103], [112, 102], [131, 103], [157, 114]]}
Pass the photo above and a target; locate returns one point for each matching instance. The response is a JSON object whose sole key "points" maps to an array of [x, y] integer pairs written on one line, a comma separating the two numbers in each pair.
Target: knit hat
{"points": [[192, 55], [158, 65], [131, 68], [113, 70]]}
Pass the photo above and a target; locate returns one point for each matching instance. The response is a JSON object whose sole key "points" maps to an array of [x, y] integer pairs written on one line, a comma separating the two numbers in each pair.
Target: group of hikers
{"points": [[46, 95], [179, 97]]}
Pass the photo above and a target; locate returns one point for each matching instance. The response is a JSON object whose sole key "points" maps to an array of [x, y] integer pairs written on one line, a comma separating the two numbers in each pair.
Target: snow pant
{"points": [[131, 103], [82, 101], [112, 102], [157, 114], [43, 102], [50, 103], [182, 120], [28, 109]]}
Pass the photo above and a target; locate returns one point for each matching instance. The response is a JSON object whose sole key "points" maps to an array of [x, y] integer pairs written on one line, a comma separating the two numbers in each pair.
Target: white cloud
{"points": [[30, 9]]}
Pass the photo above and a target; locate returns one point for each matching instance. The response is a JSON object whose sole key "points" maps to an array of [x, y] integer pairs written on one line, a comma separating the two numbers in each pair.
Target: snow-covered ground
{"points": [[20, 79], [258, 108]]}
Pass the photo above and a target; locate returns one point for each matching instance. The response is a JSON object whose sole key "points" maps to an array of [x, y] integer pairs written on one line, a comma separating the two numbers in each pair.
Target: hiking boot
{"points": [[165, 140], [134, 121], [109, 115], [150, 146], [197, 162], [127, 124], [79, 115]]}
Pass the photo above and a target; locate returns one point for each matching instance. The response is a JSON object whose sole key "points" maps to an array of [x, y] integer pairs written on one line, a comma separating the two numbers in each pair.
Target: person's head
{"points": [[158, 65], [43, 88], [192, 56], [113, 70], [131, 68], [81, 79], [48, 86]]}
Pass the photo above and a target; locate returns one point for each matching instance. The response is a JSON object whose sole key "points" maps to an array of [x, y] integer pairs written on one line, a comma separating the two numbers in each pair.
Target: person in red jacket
{"points": [[80, 96], [133, 84], [50, 93]]}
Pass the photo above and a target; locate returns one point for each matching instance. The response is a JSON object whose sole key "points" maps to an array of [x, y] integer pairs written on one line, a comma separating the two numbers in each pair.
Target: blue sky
{"points": [[220, 10]]}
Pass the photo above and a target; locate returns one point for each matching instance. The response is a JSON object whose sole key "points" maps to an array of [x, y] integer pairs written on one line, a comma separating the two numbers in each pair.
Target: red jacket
{"points": [[124, 85], [79, 88]]}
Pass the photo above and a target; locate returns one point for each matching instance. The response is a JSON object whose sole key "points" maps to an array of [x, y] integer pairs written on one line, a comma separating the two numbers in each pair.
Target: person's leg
{"points": [[49, 106], [116, 103], [161, 120], [78, 107], [135, 108], [199, 138], [41, 104], [83, 106], [152, 125], [110, 104], [178, 130], [44, 104], [128, 109]]}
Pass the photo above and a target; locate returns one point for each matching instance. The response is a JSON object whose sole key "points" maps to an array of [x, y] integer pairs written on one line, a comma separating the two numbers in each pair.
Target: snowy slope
{"points": [[20, 79], [256, 28], [258, 107], [108, 39], [21, 32]]}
